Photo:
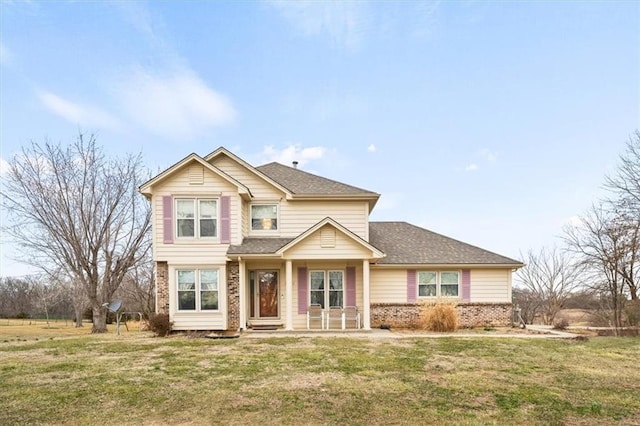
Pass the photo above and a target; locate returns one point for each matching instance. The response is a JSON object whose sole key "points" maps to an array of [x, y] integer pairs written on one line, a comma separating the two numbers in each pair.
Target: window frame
{"points": [[198, 289], [326, 299], [263, 204], [197, 226], [439, 284]]}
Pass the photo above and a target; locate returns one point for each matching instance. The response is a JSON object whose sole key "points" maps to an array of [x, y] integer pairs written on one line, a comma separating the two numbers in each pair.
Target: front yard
{"points": [[138, 379]]}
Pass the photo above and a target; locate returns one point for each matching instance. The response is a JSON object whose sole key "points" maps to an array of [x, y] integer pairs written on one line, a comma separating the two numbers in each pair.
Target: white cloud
{"points": [[75, 113], [472, 167], [371, 148], [178, 105], [344, 22], [292, 153], [489, 155]]}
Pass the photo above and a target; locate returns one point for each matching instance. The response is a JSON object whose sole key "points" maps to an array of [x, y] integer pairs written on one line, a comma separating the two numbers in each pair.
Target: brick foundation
{"points": [[233, 296], [162, 287], [407, 315]]}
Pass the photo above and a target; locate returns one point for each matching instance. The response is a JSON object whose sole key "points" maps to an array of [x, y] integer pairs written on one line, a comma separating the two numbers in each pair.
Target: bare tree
{"points": [[138, 289], [626, 182], [73, 209], [47, 293], [550, 277], [601, 243]]}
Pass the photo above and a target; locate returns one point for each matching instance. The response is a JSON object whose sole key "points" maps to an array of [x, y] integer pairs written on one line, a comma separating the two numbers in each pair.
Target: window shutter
{"points": [[225, 219], [411, 286], [302, 290], [351, 286], [167, 219], [466, 285]]}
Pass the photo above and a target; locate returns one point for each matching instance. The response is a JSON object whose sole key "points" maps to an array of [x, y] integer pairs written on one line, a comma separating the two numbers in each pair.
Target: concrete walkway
{"points": [[545, 332]]}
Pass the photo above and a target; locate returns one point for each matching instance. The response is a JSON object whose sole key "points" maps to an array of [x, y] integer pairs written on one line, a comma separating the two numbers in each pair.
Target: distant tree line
{"points": [[599, 259]]}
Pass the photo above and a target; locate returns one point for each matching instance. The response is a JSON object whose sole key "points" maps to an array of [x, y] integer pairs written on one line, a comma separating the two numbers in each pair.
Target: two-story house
{"points": [[238, 246]]}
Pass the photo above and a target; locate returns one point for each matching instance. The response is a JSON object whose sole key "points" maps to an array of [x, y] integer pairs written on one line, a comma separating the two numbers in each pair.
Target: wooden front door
{"points": [[268, 293]]}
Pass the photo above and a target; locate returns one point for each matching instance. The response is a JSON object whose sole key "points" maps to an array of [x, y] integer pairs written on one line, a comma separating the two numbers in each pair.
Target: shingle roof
{"points": [[259, 245], [404, 243], [303, 183]]}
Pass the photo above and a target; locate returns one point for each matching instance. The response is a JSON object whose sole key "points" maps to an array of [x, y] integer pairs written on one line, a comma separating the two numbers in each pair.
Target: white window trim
{"points": [[196, 225], [264, 203], [198, 290], [439, 284], [327, 290]]}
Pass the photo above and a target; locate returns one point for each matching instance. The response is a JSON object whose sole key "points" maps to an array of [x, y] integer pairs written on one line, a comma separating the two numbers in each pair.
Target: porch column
{"points": [[288, 280], [242, 294], [366, 299]]}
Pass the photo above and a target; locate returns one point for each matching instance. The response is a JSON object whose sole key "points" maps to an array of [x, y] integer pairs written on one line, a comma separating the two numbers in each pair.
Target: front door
{"points": [[267, 296]]}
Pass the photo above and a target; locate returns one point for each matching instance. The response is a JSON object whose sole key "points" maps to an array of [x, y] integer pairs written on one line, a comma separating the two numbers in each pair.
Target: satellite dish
{"points": [[114, 306]]}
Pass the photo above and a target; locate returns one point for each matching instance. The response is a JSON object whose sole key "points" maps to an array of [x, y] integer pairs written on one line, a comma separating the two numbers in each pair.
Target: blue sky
{"points": [[491, 122]]}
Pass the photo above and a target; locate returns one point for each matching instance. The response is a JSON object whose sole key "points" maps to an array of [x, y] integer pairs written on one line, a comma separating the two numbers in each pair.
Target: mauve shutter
{"points": [[302, 291], [167, 219], [351, 286], [411, 286], [466, 285], [225, 219]]}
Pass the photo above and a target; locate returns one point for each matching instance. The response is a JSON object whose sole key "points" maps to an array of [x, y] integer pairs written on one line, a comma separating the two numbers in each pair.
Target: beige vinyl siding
{"points": [[194, 250], [298, 216], [312, 247], [490, 285], [244, 218], [388, 285], [300, 320], [260, 189], [216, 320]]}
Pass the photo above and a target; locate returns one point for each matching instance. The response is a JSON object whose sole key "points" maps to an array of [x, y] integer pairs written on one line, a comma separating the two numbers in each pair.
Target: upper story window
{"points": [[264, 217], [196, 217], [438, 284]]}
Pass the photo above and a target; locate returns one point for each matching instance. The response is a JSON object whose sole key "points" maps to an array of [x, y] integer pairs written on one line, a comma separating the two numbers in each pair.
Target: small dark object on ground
{"points": [[581, 338], [385, 327]]}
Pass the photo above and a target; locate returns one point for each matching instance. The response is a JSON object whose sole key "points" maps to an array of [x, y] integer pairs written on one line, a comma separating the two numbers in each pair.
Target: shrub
{"points": [[439, 317], [160, 324], [561, 325]]}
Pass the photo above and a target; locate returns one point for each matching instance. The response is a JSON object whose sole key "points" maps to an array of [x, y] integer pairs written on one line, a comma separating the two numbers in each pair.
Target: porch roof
{"points": [[252, 245]]}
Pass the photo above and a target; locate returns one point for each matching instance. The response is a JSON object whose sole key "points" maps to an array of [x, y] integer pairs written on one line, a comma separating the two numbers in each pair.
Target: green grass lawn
{"points": [[138, 379]]}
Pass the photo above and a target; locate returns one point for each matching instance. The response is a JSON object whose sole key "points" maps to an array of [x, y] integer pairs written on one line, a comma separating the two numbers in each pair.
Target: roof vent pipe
{"points": [[295, 164]]}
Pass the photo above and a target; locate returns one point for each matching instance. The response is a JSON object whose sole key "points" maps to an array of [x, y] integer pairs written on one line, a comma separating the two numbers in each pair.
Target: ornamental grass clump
{"points": [[439, 316]]}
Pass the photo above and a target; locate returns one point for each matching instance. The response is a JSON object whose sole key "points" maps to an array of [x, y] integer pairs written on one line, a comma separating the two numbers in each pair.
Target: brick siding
{"points": [[233, 296], [407, 315], [162, 287]]}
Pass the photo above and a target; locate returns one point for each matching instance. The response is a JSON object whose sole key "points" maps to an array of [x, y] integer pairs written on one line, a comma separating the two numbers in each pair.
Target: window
{"points": [[323, 295], [198, 290], [438, 284], [196, 217], [264, 217]]}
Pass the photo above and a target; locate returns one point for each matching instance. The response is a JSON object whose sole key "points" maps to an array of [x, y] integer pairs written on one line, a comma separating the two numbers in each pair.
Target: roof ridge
{"points": [[296, 170]]}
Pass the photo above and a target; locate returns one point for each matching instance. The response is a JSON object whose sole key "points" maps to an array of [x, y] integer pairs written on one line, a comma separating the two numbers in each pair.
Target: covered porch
{"points": [[319, 280]]}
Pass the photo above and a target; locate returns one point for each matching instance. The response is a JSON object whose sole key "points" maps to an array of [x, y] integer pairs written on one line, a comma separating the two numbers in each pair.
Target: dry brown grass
{"points": [[439, 317]]}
